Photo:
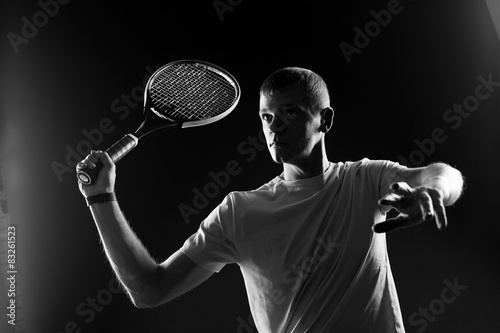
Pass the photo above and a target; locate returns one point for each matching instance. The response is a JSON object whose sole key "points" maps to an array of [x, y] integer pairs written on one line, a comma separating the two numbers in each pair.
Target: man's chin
{"points": [[277, 159]]}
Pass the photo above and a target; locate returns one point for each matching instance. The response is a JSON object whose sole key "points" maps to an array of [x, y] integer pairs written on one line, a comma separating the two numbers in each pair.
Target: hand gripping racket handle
{"points": [[118, 150]]}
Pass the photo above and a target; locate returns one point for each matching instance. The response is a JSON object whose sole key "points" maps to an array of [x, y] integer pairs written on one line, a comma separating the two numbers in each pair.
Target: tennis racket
{"points": [[185, 93]]}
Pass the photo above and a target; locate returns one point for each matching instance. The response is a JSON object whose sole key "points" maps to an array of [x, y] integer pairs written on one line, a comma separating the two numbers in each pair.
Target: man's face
{"points": [[291, 128]]}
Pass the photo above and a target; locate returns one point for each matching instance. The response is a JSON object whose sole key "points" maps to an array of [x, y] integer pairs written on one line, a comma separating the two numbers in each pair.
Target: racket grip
{"points": [[122, 147], [118, 150]]}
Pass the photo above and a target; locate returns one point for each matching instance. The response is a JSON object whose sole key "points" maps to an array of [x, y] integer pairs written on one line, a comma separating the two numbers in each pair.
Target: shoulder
{"points": [[368, 165], [372, 175]]}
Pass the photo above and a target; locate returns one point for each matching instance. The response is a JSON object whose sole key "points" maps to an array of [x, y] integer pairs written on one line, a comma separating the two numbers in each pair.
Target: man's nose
{"points": [[277, 125]]}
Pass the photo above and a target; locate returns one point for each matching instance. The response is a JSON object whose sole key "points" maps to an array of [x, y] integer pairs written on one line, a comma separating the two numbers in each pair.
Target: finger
{"points": [[439, 211], [90, 161], [103, 157], [400, 203], [80, 165], [402, 189], [426, 207], [388, 226], [399, 222], [389, 199]]}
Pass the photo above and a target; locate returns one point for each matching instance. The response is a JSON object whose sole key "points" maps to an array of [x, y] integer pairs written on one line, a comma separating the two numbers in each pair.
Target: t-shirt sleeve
{"points": [[378, 175], [212, 246]]}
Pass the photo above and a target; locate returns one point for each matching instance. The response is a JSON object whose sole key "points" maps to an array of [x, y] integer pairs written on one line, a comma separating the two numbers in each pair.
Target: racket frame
{"points": [[130, 141], [192, 123]]}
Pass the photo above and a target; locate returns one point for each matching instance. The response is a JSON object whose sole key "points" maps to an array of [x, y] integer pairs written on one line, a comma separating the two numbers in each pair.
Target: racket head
{"points": [[191, 93]]}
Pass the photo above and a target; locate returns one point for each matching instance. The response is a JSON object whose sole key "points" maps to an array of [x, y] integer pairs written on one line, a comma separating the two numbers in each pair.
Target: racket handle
{"points": [[118, 150], [122, 147]]}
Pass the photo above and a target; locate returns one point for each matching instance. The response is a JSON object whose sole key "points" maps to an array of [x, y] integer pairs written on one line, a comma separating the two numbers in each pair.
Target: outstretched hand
{"points": [[415, 205]]}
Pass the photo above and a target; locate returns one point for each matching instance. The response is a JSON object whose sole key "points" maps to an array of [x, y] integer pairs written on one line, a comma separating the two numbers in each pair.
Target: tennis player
{"points": [[310, 243]]}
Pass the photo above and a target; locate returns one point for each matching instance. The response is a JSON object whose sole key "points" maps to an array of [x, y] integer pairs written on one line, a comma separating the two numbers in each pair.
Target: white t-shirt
{"points": [[308, 255]]}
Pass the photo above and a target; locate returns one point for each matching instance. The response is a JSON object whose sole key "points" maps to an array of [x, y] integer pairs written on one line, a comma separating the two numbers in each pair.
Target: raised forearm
{"points": [[129, 258], [445, 178]]}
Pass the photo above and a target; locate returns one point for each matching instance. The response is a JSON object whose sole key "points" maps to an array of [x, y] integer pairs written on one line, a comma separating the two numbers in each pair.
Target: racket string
{"points": [[190, 91]]}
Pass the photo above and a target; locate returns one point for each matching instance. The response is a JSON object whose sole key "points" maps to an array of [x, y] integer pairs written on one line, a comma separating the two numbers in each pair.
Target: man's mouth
{"points": [[277, 144]]}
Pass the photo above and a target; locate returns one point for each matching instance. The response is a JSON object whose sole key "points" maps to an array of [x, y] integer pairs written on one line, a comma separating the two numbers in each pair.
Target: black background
{"points": [[395, 91]]}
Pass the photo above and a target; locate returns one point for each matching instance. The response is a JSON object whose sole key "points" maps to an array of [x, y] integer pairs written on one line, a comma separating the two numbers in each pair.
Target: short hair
{"points": [[315, 88]]}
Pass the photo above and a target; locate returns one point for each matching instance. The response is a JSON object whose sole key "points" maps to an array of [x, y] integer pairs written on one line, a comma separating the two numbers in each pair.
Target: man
{"points": [[310, 243]]}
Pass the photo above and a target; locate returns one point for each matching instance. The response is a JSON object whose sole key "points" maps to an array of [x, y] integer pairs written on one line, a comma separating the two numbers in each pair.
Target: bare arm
{"points": [[440, 176], [147, 282], [421, 194]]}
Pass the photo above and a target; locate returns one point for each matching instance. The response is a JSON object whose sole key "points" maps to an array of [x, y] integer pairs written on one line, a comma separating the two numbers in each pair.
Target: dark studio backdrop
{"points": [[411, 81]]}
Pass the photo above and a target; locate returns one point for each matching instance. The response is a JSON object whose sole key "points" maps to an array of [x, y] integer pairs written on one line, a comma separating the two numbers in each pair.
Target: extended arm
{"points": [[421, 194], [147, 282]]}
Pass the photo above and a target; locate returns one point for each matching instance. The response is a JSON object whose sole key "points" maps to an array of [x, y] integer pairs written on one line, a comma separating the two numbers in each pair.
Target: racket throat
{"points": [[160, 129]]}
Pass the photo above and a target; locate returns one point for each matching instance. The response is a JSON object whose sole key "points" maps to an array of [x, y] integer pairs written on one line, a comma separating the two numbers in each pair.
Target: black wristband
{"points": [[100, 198]]}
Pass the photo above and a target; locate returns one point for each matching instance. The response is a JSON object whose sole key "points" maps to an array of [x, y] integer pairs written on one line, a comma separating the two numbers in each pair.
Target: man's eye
{"points": [[290, 113], [267, 117]]}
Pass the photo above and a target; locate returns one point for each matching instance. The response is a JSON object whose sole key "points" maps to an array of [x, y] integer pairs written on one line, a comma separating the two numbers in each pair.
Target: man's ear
{"points": [[326, 119]]}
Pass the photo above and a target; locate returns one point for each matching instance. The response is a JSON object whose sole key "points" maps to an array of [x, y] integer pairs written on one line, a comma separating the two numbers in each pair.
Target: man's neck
{"points": [[307, 169]]}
